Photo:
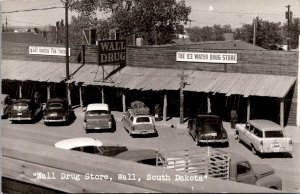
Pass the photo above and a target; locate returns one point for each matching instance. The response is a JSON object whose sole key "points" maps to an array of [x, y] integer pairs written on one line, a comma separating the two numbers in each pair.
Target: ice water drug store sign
{"points": [[112, 51], [38, 50], [206, 57]]}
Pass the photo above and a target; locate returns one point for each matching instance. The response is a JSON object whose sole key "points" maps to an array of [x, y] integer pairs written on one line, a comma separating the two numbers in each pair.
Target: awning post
{"points": [[48, 93], [282, 112], [20, 91], [124, 102], [248, 108], [165, 108], [208, 104], [80, 95], [102, 94]]}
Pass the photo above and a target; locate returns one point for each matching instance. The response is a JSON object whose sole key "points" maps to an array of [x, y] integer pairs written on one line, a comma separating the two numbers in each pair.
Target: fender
{"points": [[271, 181]]}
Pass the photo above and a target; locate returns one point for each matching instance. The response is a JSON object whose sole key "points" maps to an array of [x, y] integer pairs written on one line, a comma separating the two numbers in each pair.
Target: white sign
{"points": [[206, 57], [36, 50]]}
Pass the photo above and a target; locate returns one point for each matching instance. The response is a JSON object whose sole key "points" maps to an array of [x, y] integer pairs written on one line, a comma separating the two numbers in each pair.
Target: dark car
{"points": [[6, 103], [207, 129], [25, 110], [57, 111]]}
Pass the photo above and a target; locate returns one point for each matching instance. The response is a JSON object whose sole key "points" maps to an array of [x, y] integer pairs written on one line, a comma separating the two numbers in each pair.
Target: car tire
{"points": [[253, 150]]}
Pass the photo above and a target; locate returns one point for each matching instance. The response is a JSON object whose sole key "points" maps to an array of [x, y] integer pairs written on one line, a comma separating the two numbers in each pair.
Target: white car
{"points": [[264, 136], [98, 117], [90, 145]]}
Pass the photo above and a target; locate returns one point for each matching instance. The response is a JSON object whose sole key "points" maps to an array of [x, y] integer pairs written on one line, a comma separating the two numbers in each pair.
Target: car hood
{"points": [[262, 170]]}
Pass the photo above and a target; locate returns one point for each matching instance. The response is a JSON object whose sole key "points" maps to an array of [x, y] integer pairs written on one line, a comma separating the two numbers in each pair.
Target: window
{"points": [[258, 133], [142, 119], [20, 106], [131, 118], [273, 134], [243, 167], [247, 127], [55, 106], [97, 112]]}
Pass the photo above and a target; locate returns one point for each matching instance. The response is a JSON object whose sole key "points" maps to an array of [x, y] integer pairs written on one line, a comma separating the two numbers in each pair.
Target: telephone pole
{"points": [[288, 16], [182, 85], [254, 29]]}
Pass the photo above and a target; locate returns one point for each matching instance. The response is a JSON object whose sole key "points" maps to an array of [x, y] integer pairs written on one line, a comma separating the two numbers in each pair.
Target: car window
{"points": [[269, 134], [20, 106], [151, 161], [55, 106], [143, 120], [247, 127], [258, 132], [131, 118], [252, 129], [97, 112], [243, 168]]}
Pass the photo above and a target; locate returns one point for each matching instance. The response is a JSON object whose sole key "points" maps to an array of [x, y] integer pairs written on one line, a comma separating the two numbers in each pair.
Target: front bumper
{"points": [[143, 132], [54, 120], [212, 140], [20, 119]]}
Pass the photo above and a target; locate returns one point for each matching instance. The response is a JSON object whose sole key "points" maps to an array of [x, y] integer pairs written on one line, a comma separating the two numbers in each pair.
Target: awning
{"points": [[155, 79], [35, 70]]}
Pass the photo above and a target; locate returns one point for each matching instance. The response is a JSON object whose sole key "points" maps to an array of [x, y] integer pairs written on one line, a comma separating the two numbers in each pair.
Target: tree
{"points": [[294, 32], [153, 20], [267, 33], [207, 33]]}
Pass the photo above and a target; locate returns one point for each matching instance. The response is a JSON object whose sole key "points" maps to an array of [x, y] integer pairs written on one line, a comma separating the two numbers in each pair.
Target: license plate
{"points": [[19, 113], [275, 147], [144, 132]]}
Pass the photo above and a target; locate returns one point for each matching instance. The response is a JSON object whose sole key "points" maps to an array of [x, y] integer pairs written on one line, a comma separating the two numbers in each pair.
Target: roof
{"points": [[23, 37], [68, 144], [57, 100], [137, 155], [155, 79], [265, 125], [22, 100], [97, 106]]}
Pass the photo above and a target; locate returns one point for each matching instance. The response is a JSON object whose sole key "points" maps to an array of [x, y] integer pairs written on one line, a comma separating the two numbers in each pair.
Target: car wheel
{"points": [[253, 150]]}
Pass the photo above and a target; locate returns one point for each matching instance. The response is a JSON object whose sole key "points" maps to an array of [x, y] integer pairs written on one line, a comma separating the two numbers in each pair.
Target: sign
{"points": [[112, 51], [59, 51], [206, 57]]}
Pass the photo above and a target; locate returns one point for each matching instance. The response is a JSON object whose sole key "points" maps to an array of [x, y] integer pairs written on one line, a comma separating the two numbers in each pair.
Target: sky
{"points": [[204, 12]]}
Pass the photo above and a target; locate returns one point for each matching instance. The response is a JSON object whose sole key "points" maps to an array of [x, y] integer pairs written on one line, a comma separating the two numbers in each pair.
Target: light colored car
{"points": [[90, 145], [97, 116], [138, 123], [264, 136]]}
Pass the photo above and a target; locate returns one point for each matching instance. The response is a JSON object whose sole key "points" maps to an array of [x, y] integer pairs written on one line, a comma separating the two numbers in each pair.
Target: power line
{"points": [[25, 22], [28, 10]]}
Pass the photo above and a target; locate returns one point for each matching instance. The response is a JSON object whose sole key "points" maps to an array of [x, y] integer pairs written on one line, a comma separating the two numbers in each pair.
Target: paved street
{"points": [[176, 138]]}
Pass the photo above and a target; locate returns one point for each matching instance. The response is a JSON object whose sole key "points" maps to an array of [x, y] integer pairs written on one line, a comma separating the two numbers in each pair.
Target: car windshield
{"points": [[20, 106], [97, 112], [55, 106], [273, 134], [142, 119]]}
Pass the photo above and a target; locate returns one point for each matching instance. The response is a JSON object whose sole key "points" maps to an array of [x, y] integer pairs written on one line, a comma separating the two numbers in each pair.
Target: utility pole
{"points": [[254, 29], [182, 85], [288, 16], [6, 24]]}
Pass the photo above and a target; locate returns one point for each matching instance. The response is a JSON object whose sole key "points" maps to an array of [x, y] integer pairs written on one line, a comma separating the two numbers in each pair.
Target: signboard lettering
{"points": [[206, 57], [112, 51], [58, 51]]}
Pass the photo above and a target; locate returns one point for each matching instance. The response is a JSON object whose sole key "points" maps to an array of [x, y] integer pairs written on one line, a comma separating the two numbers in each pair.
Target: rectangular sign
{"points": [[112, 51], [58, 51], [206, 57]]}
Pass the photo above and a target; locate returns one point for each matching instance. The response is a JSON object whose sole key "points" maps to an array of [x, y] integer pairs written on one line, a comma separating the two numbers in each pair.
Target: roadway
{"points": [[168, 139]]}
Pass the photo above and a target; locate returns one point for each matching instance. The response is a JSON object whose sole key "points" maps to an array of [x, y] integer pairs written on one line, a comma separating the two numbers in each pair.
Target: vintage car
{"points": [[90, 145], [207, 129], [57, 111], [136, 122], [6, 103], [97, 116], [263, 136], [25, 110]]}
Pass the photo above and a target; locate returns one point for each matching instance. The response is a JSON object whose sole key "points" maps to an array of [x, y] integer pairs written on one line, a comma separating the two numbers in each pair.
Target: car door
{"points": [[244, 173], [256, 137], [248, 134], [242, 132]]}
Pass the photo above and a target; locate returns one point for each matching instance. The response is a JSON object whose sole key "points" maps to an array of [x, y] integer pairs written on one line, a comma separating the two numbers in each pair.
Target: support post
{"points": [[248, 108], [282, 112], [165, 108], [80, 95], [102, 94], [69, 93], [298, 88], [20, 91], [124, 102], [48, 93], [208, 104]]}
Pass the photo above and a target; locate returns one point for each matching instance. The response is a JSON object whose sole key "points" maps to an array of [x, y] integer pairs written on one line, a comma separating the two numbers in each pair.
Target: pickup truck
{"points": [[227, 166], [263, 136]]}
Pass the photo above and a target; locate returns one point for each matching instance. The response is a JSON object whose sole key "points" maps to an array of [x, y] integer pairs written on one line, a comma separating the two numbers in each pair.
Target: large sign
{"points": [[206, 57], [112, 51], [37, 50]]}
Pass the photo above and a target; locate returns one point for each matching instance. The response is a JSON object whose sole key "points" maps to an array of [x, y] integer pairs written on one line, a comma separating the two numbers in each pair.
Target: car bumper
{"points": [[54, 120], [97, 127], [212, 140], [20, 119], [146, 132]]}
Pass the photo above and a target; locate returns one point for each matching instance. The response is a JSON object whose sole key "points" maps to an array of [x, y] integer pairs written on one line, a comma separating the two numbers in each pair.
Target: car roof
{"points": [[139, 112], [97, 106], [78, 142], [265, 125], [137, 155], [22, 100], [57, 100], [205, 116]]}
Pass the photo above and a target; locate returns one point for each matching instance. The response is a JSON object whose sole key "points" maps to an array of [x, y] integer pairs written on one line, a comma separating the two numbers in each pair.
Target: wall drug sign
{"points": [[206, 57], [112, 51]]}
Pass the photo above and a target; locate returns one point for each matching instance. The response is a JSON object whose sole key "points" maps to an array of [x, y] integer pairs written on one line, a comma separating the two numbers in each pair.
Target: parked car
{"points": [[25, 110], [90, 145], [57, 111], [6, 103], [98, 117], [136, 122], [207, 129], [263, 136]]}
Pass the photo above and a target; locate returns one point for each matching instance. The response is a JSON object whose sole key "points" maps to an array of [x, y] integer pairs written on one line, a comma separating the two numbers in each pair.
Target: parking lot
{"points": [[172, 136]]}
